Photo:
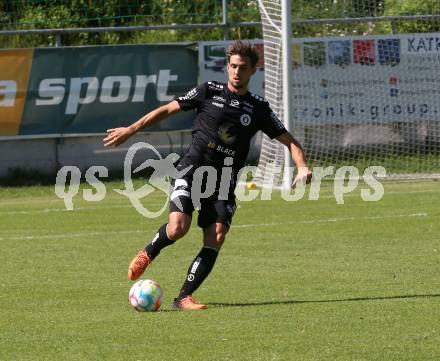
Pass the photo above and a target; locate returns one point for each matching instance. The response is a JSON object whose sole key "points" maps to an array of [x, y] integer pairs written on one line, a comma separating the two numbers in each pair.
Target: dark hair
{"points": [[244, 49]]}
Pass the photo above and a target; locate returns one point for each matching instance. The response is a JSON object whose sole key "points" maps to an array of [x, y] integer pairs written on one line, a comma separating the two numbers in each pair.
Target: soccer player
{"points": [[228, 116]]}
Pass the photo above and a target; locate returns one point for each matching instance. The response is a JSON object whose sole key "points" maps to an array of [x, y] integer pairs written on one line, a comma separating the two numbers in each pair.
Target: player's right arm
{"points": [[117, 136]]}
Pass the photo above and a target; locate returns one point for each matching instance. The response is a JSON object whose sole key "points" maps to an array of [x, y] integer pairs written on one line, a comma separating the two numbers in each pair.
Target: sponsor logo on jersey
{"points": [[245, 119], [221, 149], [234, 103], [214, 86], [219, 98], [219, 105], [225, 150], [225, 133], [190, 95], [249, 110], [247, 104]]}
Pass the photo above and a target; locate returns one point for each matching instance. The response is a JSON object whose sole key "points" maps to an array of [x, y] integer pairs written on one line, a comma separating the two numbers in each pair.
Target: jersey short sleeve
{"points": [[271, 124], [193, 99]]}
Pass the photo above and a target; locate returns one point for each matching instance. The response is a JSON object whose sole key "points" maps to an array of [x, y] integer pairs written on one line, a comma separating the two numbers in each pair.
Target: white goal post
{"points": [[356, 83]]}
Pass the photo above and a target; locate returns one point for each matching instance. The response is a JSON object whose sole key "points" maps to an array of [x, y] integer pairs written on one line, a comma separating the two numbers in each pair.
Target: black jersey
{"points": [[225, 124]]}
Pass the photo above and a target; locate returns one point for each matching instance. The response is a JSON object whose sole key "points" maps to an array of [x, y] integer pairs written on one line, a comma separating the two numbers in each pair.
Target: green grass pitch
{"points": [[306, 280]]}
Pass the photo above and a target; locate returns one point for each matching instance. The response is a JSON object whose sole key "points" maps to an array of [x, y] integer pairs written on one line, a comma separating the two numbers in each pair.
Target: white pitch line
{"points": [[326, 194], [330, 220], [327, 220], [68, 235], [76, 209]]}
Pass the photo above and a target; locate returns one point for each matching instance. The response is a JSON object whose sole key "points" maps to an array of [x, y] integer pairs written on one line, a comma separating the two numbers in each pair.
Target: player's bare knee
{"points": [[220, 238], [220, 232], [178, 225], [177, 230], [215, 240]]}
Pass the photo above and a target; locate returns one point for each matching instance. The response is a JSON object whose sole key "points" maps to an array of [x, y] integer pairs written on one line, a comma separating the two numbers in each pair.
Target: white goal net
{"points": [[365, 87]]}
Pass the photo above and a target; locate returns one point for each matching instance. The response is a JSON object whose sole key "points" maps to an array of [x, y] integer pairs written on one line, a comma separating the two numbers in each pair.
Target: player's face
{"points": [[240, 71]]}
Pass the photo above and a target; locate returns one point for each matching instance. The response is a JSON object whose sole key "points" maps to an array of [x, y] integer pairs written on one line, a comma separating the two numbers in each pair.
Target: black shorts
{"points": [[211, 210]]}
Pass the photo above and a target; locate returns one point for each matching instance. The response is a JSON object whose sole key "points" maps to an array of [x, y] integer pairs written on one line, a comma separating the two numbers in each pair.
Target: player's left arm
{"points": [[304, 174]]}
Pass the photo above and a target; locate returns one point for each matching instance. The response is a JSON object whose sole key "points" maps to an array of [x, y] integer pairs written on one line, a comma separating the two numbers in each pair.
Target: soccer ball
{"points": [[145, 295]]}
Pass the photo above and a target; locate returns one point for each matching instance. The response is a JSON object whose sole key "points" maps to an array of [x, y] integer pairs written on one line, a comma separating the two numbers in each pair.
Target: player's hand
{"points": [[116, 136], [304, 175]]}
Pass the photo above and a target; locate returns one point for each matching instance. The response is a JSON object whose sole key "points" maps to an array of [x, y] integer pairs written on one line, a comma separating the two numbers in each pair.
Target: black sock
{"points": [[198, 271], [159, 242]]}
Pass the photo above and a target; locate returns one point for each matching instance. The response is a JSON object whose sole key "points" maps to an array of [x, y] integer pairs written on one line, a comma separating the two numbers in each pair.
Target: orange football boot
{"points": [[138, 265], [189, 304]]}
